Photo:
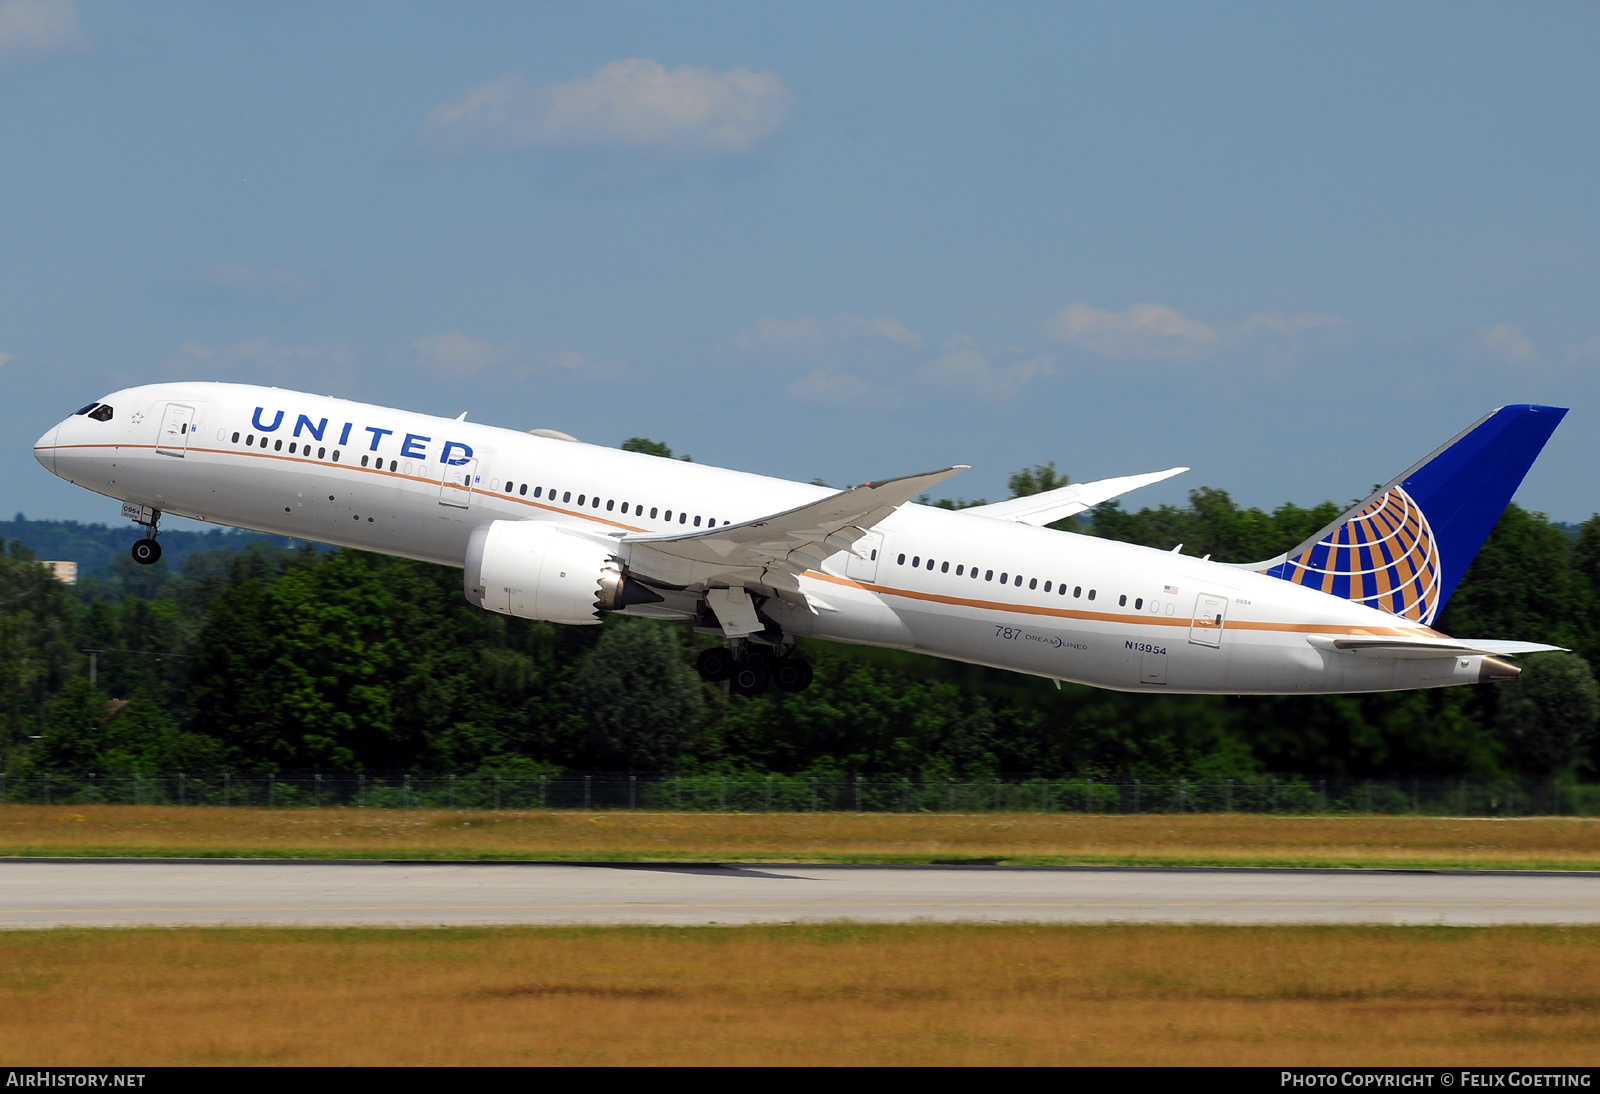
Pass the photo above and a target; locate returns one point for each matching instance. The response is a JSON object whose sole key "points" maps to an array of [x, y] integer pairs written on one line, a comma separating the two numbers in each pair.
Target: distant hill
{"points": [[93, 546]]}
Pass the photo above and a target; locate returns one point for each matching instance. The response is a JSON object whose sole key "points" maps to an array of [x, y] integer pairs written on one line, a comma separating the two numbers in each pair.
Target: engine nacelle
{"points": [[536, 570]]}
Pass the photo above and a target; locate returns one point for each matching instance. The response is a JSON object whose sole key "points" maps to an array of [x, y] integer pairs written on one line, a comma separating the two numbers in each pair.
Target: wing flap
{"points": [[1068, 501]]}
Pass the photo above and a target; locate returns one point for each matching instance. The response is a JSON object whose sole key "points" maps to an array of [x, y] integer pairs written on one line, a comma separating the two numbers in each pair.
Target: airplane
{"points": [[546, 527]]}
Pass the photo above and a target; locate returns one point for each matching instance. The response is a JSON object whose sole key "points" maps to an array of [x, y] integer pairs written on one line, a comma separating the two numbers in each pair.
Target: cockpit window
{"points": [[85, 410], [101, 413]]}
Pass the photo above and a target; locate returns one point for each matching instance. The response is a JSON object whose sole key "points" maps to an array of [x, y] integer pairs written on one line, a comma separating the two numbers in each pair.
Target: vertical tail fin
{"points": [[1405, 548]]}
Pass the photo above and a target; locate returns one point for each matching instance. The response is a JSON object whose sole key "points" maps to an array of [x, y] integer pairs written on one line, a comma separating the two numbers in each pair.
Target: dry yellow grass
{"points": [[1204, 839], [921, 994]]}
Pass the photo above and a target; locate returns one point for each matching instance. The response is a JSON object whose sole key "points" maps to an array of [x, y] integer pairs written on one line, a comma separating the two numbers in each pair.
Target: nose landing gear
{"points": [[147, 551]]}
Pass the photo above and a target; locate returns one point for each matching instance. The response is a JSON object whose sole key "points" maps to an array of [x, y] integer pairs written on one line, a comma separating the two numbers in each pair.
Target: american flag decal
{"points": [[1170, 590]]}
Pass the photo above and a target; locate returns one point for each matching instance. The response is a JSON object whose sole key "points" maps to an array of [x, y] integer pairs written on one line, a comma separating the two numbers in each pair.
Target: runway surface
{"points": [[50, 893]]}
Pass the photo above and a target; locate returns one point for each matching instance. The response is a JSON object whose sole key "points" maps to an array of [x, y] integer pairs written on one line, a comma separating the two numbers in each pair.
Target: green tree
{"points": [[640, 699], [1548, 713], [1036, 480], [37, 653]]}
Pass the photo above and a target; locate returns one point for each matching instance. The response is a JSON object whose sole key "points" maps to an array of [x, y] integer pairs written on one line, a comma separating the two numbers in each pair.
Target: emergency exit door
{"points": [[459, 482], [1210, 613]]}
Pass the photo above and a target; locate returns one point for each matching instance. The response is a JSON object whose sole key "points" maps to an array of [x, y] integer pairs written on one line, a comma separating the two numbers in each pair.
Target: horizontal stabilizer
{"points": [[1068, 501], [1407, 648], [774, 550]]}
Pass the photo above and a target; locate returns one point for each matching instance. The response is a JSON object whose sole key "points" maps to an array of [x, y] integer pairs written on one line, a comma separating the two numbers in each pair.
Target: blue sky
{"points": [[1292, 246]]}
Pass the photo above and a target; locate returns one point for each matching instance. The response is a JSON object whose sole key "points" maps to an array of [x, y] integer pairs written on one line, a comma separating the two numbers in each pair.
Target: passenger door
{"points": [[1210, 612], [456, 488], [174, 437]]}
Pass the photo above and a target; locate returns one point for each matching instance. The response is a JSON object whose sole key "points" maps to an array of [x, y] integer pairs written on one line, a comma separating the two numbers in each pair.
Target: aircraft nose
{"points": [[44, 449]]}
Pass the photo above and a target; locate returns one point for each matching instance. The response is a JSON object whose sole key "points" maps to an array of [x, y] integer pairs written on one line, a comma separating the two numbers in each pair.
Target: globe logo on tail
{"points": [[1385, 557]]}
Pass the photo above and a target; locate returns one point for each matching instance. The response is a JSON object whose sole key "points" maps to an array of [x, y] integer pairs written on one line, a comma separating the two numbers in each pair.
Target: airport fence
{"points": [[801, 793]]}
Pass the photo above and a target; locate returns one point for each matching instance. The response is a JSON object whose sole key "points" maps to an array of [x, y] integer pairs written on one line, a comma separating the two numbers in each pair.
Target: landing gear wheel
{"points": [[145, 551], [792, 674], [750, 676], [715, 664]]}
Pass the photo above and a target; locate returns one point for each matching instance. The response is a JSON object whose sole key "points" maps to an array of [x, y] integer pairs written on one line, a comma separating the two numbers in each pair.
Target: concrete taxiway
{"points": [[124, 893]]}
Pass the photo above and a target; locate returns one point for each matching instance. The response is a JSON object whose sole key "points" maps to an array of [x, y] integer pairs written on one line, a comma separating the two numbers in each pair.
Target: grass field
{"points": [[1194, 839], [918, 994]]}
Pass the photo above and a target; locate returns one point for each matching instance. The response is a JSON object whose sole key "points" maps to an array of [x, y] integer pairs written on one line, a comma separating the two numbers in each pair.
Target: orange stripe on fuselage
{"points": [[330, 465], [1112, 617]]}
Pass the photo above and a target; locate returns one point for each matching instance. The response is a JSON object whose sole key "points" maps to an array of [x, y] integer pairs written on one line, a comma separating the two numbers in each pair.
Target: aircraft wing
{"points": [[1408, 648], [774, 550], [1068, 501]]}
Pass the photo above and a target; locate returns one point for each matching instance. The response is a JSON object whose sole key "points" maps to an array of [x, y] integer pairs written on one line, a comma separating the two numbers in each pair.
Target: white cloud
{"points": [[252, 284], [811, 339], [1510, 343], [457, 355], [39, 26], [1144, 330], [1585, 353], [328, 367], [824, 386], [631, 104], [964, 364], [842, 348], [1156, 332]]}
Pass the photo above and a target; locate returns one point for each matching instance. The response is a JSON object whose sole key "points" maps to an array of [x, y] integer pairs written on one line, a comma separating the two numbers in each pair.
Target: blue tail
{"points": [[1405, 549]]}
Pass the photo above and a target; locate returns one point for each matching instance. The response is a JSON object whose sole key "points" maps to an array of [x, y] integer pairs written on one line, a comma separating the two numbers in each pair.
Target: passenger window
{"points": [[522, 491], [1091, 594], [916, 562], [944, 568], [250, 441], [278, 447], [624, 508], [682, 517], [611, 504], [101, 413], [1138, 605], [974, 573], [930, 564], [1005, 578], [509, 485], [652, 512], [668, 516], [1033, 583], [1046, 586], [264, 442], [394, 465], [335, 455], [566, 497], [322, 453], [1122, 601], [363, 461], [581, 497], [236, 438], [960, 569], [1062, 590], [988, 575], [1018, 582], [291, 448], [901, 561], [697, 522], [1077, 591]]}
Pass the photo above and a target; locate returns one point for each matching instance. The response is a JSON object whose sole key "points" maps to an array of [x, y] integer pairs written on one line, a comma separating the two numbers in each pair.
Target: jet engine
{"points": [[536, 570]]}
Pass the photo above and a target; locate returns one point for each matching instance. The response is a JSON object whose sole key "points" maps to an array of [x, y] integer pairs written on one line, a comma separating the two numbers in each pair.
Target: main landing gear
{"points": [[751, 671], [147, 551]]}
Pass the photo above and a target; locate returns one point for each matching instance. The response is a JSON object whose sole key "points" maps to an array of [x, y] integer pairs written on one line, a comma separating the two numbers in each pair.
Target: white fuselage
{"points": [[1087, 610]]}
